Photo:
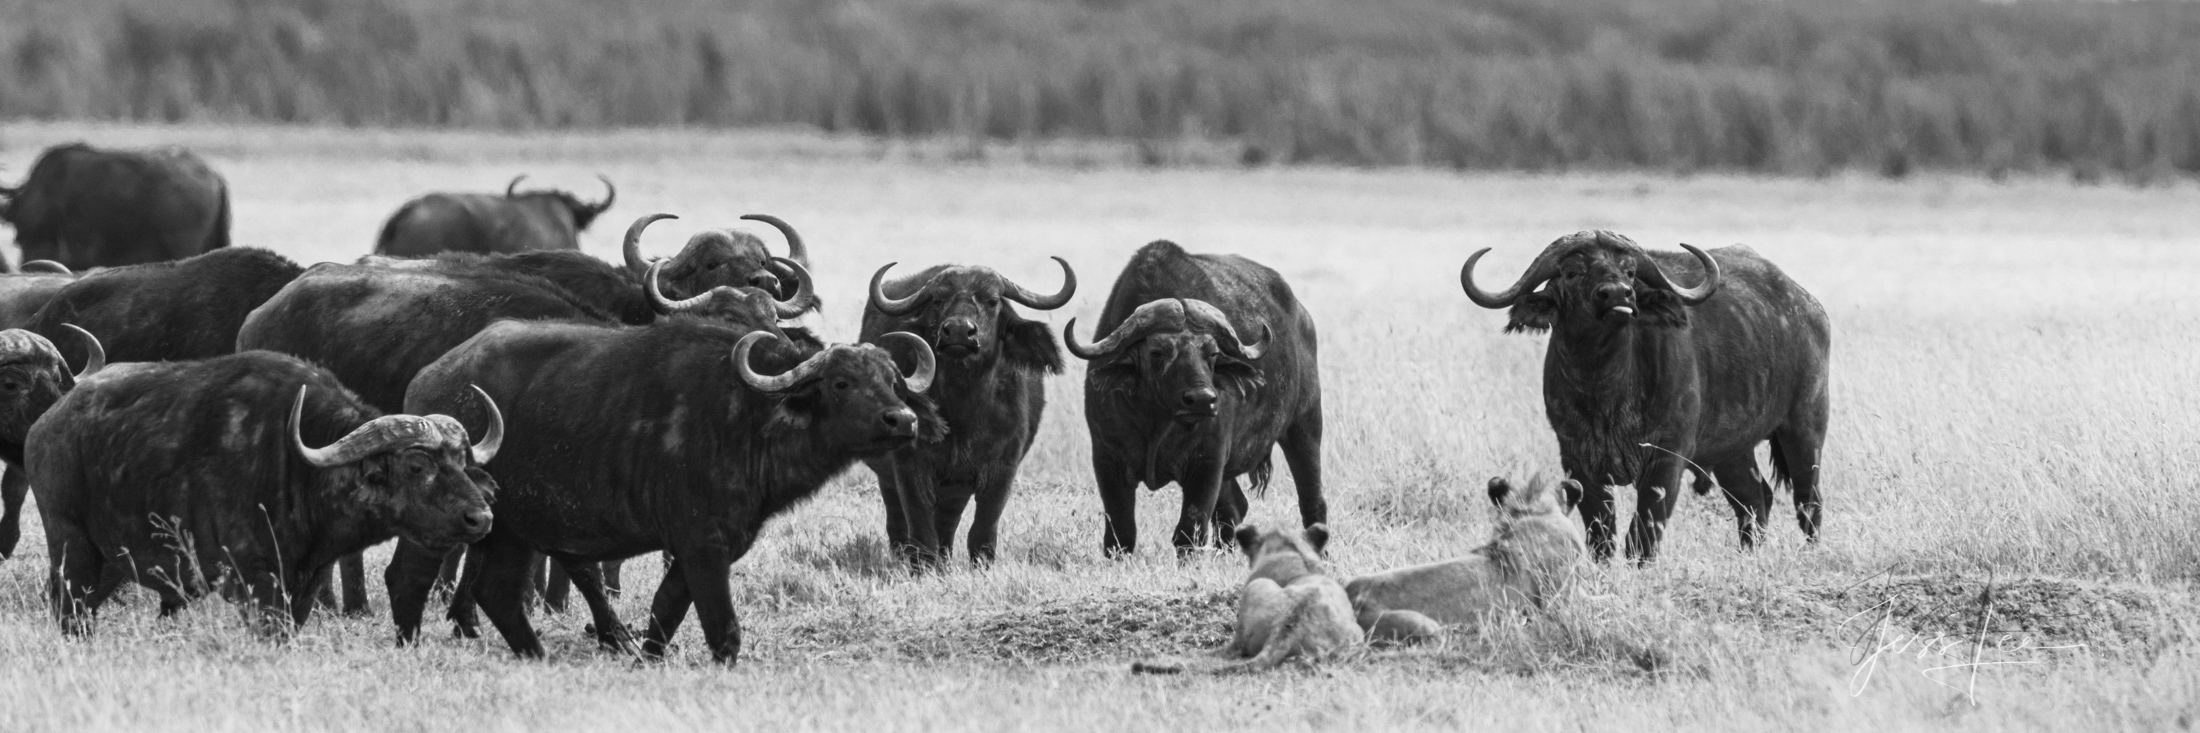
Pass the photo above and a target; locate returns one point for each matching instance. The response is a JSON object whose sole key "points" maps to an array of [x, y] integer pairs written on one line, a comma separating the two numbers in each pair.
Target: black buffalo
{"points": [[486, 222], [1645, 378], [723, 257], [636, 440], [188, 476], [377, 327], [1174, 394], [25, 291], [84, 207], [33, 376], [991, 390], [168, 311]]}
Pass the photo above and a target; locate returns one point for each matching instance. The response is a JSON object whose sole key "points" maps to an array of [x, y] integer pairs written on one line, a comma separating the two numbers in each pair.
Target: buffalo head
{"points": [[1185, 351], [33, 376], [724, 257], [965, 315], [851, 395], [417, 473], [1594, 278], [753, 308], [584, 212]]}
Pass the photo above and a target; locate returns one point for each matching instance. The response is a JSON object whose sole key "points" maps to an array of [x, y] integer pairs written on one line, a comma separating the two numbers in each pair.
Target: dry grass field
{"points": [[2016, 435]]}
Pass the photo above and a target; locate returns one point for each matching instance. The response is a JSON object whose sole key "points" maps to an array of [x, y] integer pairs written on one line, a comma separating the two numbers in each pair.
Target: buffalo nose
{"points": [[1606, 293], [766, 282], [1199, 399], [901, 421], [478, 521], [958, 329]]}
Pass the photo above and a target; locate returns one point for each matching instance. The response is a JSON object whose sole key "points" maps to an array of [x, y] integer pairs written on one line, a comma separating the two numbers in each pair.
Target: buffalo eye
{"points": [[11, 384], [989, 302], [842, 385]]}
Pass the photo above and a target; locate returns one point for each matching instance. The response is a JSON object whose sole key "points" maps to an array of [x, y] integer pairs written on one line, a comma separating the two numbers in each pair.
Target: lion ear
{"points": [[1318, 536], [1247, 535], [1499, 487]]}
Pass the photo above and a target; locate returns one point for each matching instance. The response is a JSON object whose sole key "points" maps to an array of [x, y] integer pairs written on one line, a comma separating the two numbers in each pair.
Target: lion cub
{"points": [[1287, 609], [1528, 564]]}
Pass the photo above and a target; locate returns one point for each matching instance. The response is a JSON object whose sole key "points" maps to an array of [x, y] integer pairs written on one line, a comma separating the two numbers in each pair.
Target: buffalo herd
{"points": [[518, 414]]}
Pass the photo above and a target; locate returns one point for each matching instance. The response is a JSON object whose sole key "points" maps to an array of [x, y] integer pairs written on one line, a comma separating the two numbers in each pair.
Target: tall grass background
{"points": [[2097, 90]]}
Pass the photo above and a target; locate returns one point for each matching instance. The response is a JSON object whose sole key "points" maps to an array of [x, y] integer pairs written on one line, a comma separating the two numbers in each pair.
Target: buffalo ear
{"points": [[1532, 312], [1499, 487], [1247, 537], [790, 414], [1659, 307], [1318, 536], [931, 428], [1029, 344], [1570, 496]]}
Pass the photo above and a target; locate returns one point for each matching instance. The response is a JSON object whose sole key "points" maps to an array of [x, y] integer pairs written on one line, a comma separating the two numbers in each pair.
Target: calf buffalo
{"points": [[84, 207], [185, 476], [634, 440], [168, 311], [485, 222], [33, 376], [1173, 393], [1645, 378], [991, 390]]}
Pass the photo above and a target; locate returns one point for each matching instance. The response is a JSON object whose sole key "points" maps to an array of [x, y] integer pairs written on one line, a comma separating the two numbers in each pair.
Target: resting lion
{"points": [[1527, 565], [1288, 608]]}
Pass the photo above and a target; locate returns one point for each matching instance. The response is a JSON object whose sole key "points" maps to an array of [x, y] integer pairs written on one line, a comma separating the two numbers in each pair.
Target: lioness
{"points": [[1527, 564], [1288, 608]]}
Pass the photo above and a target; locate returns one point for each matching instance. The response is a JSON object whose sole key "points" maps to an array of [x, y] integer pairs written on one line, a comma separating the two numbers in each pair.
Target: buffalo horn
{"points": [[633, 244], [804, 289], [921, 379], [892, 307], [95, 356], [657, 297], [1539, 271], [1061, 298], [512, 189], [1215, 318], [1130, 329], [610, 194], [796, 250], [780, 383], [1648, 270], [46, 266], [484, 450]]}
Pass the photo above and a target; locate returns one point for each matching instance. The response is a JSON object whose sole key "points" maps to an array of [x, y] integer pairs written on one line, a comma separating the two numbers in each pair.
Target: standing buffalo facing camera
{"points": [[1645, 378], [187, 477], [486, 223], [33, 376], [991, 390], [1174, 394], [84, 207]]}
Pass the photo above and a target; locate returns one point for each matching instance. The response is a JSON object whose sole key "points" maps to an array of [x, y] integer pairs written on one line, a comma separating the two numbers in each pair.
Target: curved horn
{"points": [[778, 383], [95, 356], [927, 366], [46, 266], [796, 250], [633, 245], [892, 307], [610, 194], [333, 455], [485, 449], [1648, 270], [1129, 330], [512, 189], [657, 299], [1216, 319], [804, 290], [1538, 272], [1058, 299]]}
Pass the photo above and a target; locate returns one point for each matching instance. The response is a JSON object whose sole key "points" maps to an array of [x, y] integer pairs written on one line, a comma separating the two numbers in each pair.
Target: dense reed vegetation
{"points": [[1782, 87]]}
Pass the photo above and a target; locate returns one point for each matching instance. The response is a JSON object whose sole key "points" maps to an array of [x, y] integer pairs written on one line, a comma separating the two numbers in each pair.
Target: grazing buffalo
{"points": [[990, 389], [1173, 393], [187, 476], [168, 311], [486, 222], [634, 440], [375, 328], [84, 207], [25, 291], [33, 376], [1645, 378]]}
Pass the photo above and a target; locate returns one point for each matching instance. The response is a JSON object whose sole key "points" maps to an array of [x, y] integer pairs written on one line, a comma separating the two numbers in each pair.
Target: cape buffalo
{"points": [[376, 327], [168, 311], [723, 257], [25, 291], [1645, 377], [186, 476], [991, 391], [1173, 393], [636, 440], [84, 207], [32, 377], [486, 222]]}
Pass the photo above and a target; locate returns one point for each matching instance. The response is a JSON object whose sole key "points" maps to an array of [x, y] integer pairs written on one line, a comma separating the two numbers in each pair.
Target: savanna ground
{"points": [[2012, 450]]}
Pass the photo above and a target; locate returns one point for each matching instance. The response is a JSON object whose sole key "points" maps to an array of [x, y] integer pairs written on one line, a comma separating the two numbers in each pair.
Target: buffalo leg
{"points": [[502, 588], [301, 596], [1656, 490], [947, 515], [1201, 489], [611, 585], [353, 570], [446, 574], [1798, 450], [1119, 498], [557, 586], [1230, 508], [588, 580], [668, 608], [919, 505], [412, 576], [1598, 516], [1747, 493], [14, 485], [889, 490], [77, 569], [465, 623], [1302, 451], [707, 565], [985, 522]]}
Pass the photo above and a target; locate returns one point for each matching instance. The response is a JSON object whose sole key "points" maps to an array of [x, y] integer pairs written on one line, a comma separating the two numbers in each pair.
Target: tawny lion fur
{"points": [[1289, 608], [1528, 565]]}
